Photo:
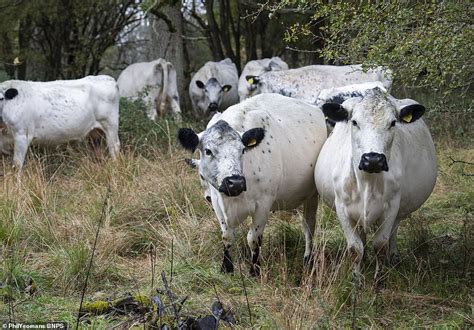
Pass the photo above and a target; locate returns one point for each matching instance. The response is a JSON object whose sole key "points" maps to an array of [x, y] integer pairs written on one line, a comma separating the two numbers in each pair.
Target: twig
{"points": [[171, 296], [102, 216], [354, 300], [172, 257], [246, 296], [152, 261], [455, 161]]}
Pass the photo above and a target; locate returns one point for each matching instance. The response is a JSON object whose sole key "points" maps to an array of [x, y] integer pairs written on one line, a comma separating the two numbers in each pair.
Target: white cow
{"points": [[256, 68], [155, 83], [214, 87], [377, 167], [306, 83], [59, 111], [259, 156]]}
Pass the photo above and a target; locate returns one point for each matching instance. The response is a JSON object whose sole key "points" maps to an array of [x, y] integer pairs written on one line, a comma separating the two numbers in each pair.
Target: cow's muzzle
{"points": [[233, 185], [373, 162], [213, 107]]}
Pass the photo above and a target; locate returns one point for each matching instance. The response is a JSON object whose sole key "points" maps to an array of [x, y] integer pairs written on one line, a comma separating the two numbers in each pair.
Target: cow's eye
{"points": [[1, 98], [208, 152], [392, 124], [354, 123]]}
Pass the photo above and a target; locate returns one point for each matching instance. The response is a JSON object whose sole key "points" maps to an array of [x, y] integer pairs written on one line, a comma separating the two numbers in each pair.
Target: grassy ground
{"points": [[49, 217]]}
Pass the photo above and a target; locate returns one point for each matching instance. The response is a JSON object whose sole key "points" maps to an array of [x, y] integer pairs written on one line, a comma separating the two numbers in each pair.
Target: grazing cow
{"points": [[59, 111], [259, 156], [377, 167], [256, 68], [307, 82], [214, 88], [155, 83]]}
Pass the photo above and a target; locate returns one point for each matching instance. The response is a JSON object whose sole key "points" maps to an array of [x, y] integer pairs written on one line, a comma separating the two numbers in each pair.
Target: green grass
{"points": [[48, 221]]}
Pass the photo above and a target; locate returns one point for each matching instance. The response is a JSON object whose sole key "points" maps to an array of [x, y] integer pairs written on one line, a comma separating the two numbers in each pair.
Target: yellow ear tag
{"points": [[252, 143], [407, 118], [250, 81]]}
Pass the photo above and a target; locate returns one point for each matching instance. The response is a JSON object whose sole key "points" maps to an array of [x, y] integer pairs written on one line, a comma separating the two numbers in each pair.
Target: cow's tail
{"points": [[164, 90]]}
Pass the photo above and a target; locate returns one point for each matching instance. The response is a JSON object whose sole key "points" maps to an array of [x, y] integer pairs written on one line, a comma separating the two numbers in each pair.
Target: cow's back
{"points": [[281, 167], [138, 76], [307, 82], [62, 110]]}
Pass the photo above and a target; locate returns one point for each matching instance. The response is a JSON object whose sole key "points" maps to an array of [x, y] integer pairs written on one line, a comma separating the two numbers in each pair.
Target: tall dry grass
{"points": [[49, 217]]}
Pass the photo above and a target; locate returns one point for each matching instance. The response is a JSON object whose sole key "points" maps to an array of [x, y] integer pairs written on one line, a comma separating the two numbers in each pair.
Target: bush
{"points": [[141, 135]]}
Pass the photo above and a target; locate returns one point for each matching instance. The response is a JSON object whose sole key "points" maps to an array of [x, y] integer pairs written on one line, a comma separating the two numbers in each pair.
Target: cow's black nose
{"points": [[208, 198], [213, 106], [233, 185], [373, 162]]}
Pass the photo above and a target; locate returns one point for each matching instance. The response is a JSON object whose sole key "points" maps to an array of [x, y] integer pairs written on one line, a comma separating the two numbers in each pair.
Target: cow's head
{"points": [[5, 96], [372, 121], [253, 85], [213, 92], [221, 149]]}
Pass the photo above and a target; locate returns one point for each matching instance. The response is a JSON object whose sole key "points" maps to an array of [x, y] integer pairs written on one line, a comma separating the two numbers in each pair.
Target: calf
{"points": [[377, 167], [259, 156], [59, 111]]}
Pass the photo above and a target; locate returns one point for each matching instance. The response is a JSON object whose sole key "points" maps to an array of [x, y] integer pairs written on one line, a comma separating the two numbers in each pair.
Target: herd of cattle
{"points": [[260, 153]]}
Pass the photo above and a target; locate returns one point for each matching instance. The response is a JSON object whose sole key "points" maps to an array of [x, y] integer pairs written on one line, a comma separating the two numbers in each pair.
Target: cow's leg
{"points": [[228, 236], [381, 240], [21, 144], [309, 217], [394, 257], [255, 236], [174, 101], [111, 134], [355, 245]]}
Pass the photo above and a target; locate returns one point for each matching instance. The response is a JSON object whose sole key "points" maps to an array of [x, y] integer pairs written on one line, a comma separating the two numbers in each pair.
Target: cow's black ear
{"points": [[253, 137], [11, 93], [200, 84], [188, 139], [335, 112], [226, 88], [411, 113]]}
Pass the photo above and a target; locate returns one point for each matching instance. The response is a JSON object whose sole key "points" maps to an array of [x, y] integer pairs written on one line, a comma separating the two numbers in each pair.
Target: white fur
{"points": [[60, 111], [256, 68], [306, 83], [226, 74], [155, 83], [378, 201], [278, 171]]}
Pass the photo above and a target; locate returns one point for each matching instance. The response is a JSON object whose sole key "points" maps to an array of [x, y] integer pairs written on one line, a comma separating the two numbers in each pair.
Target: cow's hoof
{"points": [[227, 266], [394, 259], [254, 270]]}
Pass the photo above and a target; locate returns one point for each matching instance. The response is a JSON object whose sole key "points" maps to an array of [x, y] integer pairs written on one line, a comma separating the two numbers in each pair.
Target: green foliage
{"points": [[426, 44], [140, 134]]}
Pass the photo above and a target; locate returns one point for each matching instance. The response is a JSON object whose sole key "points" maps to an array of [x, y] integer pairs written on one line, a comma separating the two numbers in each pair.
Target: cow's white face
{"points": [[221, 149], [372, 119], [212, 94]]}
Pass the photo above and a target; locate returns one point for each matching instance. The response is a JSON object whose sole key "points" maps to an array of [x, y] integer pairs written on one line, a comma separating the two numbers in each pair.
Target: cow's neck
{"points": [[370, 196]]}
